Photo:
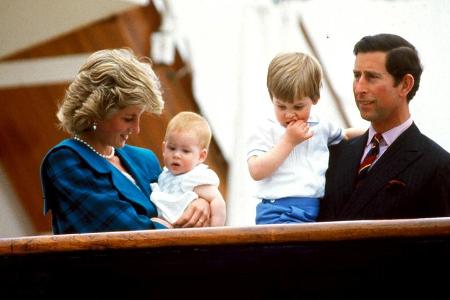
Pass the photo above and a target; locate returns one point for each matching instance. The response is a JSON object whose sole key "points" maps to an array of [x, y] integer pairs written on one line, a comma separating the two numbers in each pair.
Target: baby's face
{"points": [[182, 152]]}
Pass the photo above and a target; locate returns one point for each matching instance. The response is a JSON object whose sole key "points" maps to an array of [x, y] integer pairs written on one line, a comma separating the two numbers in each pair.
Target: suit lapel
{"points": [[395, 160], [348, 165]]}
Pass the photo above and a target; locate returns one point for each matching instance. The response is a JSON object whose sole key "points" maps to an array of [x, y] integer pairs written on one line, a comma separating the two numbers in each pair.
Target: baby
{"points": [[185, 177]]}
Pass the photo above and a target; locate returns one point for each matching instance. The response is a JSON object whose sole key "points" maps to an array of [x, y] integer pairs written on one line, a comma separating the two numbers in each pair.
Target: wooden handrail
{"points": [[261, 234]]}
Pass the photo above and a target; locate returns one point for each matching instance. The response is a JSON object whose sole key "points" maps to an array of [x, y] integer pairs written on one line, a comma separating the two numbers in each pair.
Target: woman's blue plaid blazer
{"points": [[86, 193]]}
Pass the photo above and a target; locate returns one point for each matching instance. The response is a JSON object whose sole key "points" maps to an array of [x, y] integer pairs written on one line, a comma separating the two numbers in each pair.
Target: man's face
{"points": [[376, 97]]}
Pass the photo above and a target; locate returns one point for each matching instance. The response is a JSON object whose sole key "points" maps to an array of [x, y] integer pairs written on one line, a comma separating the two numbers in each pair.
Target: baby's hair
{"points": [[293, 76], [187, 121]]}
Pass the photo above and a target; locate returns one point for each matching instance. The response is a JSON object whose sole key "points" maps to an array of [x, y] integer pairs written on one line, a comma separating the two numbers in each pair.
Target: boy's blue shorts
{"points": [[287, 210]]}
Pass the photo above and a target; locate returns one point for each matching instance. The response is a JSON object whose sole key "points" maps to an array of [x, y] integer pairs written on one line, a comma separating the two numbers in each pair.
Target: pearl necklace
{"points": [[77, 138]]}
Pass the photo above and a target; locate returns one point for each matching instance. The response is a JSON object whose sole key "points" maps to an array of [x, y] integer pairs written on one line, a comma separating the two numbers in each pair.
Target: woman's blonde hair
{"points": [[108, 81], [191, 122], [294, 75]]}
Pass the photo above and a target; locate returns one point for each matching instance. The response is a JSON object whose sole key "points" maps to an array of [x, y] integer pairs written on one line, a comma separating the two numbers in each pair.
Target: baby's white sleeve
{"points": [[201, 175]]}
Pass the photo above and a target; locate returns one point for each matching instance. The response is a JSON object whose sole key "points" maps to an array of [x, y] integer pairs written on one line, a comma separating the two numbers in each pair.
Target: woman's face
{"points": [[115, 130]]}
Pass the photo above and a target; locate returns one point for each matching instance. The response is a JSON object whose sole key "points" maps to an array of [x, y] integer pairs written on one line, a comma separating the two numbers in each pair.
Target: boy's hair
{"points": [[188, 121], [293, 76]]}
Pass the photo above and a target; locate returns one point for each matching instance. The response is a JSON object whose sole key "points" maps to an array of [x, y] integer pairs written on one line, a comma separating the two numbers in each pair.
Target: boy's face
{"points": [[287, 112], [182, 152]]}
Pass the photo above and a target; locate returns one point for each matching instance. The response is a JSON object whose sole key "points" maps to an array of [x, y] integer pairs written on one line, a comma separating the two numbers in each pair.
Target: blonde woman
{"points": [[94, 181]]}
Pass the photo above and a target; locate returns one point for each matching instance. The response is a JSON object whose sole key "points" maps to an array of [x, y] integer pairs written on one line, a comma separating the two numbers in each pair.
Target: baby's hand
{"points": [[297, 132]]}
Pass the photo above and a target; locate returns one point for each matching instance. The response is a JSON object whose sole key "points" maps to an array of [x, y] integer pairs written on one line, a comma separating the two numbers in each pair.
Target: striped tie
{"points": [[370, 157]]}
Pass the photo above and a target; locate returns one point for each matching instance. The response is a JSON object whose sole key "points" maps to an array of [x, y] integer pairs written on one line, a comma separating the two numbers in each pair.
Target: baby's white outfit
{"points": [[173, 193]]}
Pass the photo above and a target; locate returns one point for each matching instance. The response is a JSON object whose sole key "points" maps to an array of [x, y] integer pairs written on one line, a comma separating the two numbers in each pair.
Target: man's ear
{"points": [[203, 154], [406, 84]]}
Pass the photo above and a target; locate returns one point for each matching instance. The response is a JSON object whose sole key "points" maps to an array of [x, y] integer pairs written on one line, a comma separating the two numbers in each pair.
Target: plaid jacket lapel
{"points": [[139, 194]]}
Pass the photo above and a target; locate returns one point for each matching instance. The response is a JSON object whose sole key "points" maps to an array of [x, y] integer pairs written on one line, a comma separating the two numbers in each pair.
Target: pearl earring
{"points": [[94, 126]]}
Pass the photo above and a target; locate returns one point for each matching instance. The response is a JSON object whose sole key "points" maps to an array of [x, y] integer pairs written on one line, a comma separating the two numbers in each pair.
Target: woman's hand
{"points": [[197, 214]]}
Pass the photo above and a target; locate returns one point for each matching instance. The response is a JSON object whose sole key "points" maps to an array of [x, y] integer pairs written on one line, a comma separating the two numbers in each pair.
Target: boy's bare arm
{"points": [[264, 165]]}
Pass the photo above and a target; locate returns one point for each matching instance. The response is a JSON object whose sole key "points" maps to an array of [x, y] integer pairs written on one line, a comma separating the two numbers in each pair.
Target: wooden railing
{"points": [[357, 259]]}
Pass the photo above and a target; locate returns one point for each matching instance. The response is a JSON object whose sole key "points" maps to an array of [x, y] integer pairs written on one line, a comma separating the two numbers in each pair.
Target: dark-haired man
{"points": [[400, 173]]}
